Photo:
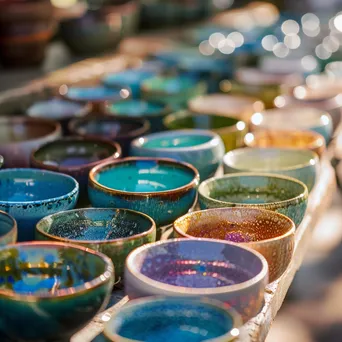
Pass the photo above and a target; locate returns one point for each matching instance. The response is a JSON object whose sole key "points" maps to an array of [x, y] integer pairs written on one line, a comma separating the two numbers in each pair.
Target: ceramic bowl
{"points": [[282, 194], [31, 194], [19, 136], [207, 320], [151, 111], [199, 268], [161, 188], [231, 130], [309, 140], [8, 229], [119, 129], [295, 118], [265, 231], [75, 157], [61, 280], [113, 232], [297, 163], [200, 148]]}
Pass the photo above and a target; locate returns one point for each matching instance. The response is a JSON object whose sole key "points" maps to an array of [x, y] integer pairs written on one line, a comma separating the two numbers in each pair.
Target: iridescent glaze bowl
{"points": [[164, 189], [8, 229], [45, 288], [231, 130], [201, 148], [158, 319], [113, 232], [199, 268], [282, 194], [297, 163], [265, 231], [31, 194]]}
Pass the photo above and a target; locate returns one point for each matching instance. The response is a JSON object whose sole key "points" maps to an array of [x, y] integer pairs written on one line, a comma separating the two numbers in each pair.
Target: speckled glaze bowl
{"points": [[61, 280], [199, 268], [19, 136], [206, 320], [31, 194], [297, 163], [282, 194], [200, 148], [113, 232], [119, 129], [231, 130], [161, 188], [8, 229], [265, 231]]}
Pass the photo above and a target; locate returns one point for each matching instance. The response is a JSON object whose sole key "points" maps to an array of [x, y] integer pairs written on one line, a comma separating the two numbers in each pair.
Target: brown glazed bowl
{"points": [[19, 136], [268, 232]]}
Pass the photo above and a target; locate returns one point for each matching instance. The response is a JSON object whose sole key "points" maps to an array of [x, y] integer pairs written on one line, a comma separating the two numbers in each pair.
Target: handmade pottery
{"points": [[61, 280], [30, 194], [161, 188], [199, 268], [267, 232], [8, 229], [113, 232], [282, 194], [205, 319], [200, 148], [19, 136], [231, 130], [119, 129], [300, 164]]}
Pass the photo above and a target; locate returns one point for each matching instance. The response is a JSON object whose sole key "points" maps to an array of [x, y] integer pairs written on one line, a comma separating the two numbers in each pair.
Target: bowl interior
{"points": [[96, 93], [135, 108], [169, 85], [6, 224]]}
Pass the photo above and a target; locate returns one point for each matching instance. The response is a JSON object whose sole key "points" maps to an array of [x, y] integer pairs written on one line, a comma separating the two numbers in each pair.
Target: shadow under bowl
{"points": [[8, 229]]}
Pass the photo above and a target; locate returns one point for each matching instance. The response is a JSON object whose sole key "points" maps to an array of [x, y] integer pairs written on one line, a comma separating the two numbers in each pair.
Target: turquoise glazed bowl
{"points": [[297, 163], [113, 232], [8, 229], [200, 148], [161, 188], [199, 268], [31, 194], [49, 291], [158, 319], [282, 194]]}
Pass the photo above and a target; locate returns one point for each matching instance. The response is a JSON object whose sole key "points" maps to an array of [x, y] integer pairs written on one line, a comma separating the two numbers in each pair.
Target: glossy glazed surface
{"points": [[8, 229]]}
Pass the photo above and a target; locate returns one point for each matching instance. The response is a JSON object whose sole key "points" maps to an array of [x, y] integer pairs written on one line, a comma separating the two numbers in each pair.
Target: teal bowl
{"points": [[49, 291], [201, 148], [300, 164], [113, 232], [8, 229], [164, 189], [282, 194]]}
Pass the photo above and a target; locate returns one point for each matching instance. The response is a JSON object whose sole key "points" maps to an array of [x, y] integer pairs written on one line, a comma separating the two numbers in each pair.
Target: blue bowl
{"points": [[8, 229], [201, 148], [161, 188], [48, 291], [31, 194]]}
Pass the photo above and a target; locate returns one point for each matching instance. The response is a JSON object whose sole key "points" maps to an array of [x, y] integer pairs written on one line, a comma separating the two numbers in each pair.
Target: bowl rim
{"points": [[78, 139], [14, 228], [72, 192], [70, 291], [97, 170], [149, 301], [118, 241], [324, 104], [263, 274], [108, 81], [276, 204]]}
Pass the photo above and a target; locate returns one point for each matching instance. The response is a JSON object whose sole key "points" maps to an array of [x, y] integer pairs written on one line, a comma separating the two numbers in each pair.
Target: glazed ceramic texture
{"points": [[300, 164], [8, 229], [19, 136], [282, 194], [31, 194], [200, 148], [61, 280], [231, 130], [113, 232], [267, 232], [164, 189], [199, 268], [163, 319]]}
